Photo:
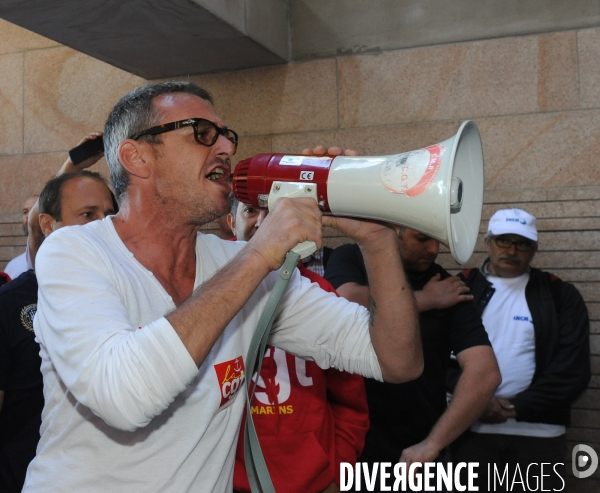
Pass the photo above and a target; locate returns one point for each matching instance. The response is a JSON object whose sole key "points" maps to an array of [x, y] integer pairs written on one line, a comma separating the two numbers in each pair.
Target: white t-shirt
{"points": [[126, 407], [16, 266], [509, 325]]}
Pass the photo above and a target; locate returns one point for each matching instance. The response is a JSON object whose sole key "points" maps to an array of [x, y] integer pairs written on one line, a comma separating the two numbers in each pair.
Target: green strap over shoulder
{"points": [[256, 467]]}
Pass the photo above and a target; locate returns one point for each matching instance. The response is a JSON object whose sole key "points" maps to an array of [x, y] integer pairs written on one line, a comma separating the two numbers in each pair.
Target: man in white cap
{"points": [[539, 328]]}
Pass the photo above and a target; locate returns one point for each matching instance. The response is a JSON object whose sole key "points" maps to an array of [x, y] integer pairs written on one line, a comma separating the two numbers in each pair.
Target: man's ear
{"points": [[533, 252], [35, 235], [47, 224], [486, 244], [399, 231], [231, 223], [135, 158]]}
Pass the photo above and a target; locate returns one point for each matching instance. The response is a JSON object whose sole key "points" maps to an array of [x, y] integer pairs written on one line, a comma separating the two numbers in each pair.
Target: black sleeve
{"points": [[346, 265], [568, 373], [467, 329]]}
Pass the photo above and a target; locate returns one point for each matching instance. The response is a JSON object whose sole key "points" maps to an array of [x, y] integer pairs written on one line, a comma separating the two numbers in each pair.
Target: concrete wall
{"points": [[535, 98], [50, 97]]}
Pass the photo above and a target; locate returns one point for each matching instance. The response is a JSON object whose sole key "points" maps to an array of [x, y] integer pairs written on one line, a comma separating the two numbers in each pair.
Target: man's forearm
{"points": [[423, 303], [202, 318], [476, 386], [394, 324]]}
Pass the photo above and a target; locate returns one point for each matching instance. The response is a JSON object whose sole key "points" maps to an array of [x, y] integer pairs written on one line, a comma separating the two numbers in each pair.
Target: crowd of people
{"points": [[123, 340]]}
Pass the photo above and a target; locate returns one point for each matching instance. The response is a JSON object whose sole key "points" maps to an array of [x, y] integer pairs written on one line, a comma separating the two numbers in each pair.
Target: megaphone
{"points": [[437, 190]]}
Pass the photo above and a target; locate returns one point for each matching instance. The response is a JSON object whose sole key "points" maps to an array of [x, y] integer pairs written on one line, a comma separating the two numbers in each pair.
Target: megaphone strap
{"points": [[256, 467]]}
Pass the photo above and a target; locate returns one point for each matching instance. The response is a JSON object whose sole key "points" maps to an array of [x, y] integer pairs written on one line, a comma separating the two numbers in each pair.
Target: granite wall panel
{"points": [[67, 95], [11, 103], [298, 97], [535, 99], [509, 76]]}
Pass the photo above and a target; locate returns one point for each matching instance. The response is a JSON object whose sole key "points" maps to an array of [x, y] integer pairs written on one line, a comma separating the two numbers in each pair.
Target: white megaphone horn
{"points": [[437, 190]]}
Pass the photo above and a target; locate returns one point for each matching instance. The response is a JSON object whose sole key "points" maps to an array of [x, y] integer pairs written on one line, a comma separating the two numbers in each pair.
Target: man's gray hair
{"points": [[134, 113]]}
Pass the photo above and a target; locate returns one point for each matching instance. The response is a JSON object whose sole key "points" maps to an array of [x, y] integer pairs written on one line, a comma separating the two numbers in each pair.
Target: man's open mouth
{"points": [[218, 174]]}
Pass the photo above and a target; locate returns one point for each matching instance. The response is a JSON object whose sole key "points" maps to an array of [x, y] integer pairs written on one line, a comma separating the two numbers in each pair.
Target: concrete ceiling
{"points": [[349, 27], [162, 38]]}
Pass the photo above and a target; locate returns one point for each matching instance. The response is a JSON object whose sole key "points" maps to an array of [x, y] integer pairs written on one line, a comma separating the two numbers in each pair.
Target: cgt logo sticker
{"points": [[412, 172], [231, 376]]}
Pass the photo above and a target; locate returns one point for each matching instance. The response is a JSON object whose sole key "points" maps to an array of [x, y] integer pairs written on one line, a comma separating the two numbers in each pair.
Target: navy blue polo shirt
{"points": [[20, 379]]}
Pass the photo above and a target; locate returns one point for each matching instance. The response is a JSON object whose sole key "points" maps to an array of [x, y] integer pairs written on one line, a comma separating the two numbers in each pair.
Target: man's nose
{"points": [[433, 248], [260, 218], [512, 249], [102, 214], [225, 145]]}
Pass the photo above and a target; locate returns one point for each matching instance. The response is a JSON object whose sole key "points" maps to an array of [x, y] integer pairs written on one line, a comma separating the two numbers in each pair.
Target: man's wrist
{"points": [[257, 262], [423, 303], [381, 244], [432, 444]]}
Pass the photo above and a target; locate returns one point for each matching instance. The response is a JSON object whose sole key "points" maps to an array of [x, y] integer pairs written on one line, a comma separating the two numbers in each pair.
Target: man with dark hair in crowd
{"points": [[411, 422], [308, 420], [68, 199], [144, 322], [75, 199], [18, 265], [539, 328]]}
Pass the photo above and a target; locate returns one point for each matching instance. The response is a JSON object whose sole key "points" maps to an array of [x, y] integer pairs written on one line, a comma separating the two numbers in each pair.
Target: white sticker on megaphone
{"points": [[411, 172], [291, 160]]}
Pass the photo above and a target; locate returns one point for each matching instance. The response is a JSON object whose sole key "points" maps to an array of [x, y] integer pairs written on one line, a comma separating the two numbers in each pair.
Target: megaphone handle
{"points": [[305, 249], [295, 189]]}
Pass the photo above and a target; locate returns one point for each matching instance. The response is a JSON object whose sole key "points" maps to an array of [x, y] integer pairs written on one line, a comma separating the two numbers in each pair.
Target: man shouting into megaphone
{"points": [[143, 322]]}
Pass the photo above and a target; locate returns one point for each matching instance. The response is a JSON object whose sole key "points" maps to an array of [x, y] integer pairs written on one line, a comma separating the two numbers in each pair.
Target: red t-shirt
{"points": [[308, 420]]}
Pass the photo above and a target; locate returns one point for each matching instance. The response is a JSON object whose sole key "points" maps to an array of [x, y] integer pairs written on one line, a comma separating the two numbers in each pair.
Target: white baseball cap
{"points": [[513, 221]]}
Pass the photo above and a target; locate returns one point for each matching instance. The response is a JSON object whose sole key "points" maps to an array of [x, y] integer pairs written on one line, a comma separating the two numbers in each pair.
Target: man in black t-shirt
{"points": [[411, 422]]}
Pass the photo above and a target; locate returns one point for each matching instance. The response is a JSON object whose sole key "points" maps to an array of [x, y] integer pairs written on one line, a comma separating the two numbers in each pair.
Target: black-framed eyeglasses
{"points": [[520, 245], [206, 132]]}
